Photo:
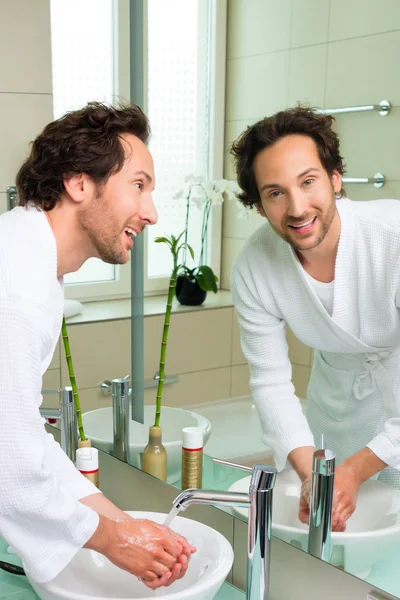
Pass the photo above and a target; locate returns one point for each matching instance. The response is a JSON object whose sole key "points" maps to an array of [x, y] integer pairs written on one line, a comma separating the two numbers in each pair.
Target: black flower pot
{"points": [[188, 291]]}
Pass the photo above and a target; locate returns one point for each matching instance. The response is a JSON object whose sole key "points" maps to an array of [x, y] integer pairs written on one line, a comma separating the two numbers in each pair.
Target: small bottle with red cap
{"points": [[87, 462]]}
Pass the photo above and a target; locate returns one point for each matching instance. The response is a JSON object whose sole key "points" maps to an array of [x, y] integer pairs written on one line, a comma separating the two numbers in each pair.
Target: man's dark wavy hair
{"points": [[83, 141], [300, 120]]}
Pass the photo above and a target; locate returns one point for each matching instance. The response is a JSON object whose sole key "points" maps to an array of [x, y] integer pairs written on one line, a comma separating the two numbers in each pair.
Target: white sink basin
{"points": [[98, 425], [372, 533], [90, 576]]}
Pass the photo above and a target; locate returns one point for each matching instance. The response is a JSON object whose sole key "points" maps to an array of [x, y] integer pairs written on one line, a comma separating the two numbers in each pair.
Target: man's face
{"points": [[297, 194], [118, 211]]}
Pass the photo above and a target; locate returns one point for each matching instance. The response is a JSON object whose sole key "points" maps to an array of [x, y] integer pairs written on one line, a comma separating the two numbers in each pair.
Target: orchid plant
{"points": [[204, 195]]}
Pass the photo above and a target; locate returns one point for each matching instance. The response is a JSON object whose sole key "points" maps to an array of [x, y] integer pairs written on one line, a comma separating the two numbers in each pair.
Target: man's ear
{"points": [[336, 181], [75, 187], [260, 209]]}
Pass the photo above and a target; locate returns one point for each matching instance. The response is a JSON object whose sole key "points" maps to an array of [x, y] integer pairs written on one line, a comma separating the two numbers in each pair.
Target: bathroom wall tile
{"points": [[300, 378], [369, 144], [3, 202], [257, 85], [361, 71], [298, 352], [310, 20], [93, 398], [32, 112], [258, 26], [391, 189], [25, 47], [240, 381], [197, 341], [307, 75], [237, 354], [194, 388], [131, 489], [51, 381], [238, 224], [232, 131], [355, 18], [99, 351], [230, 249]]}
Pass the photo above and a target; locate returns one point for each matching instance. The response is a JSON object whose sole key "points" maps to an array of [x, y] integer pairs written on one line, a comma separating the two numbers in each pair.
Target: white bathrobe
{"points": [[40, 488], [354, 391]]}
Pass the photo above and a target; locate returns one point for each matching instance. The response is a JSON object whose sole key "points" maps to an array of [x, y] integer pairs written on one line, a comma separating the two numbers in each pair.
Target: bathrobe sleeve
{"points": [[264, 346], [40, 516]]}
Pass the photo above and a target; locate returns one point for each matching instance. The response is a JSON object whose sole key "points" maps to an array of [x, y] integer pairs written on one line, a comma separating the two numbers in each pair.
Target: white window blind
{"points": [[178, 109]]}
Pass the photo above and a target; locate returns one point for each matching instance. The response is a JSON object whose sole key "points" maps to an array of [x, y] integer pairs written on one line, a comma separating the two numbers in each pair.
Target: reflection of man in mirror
{"points": [[329, 268], [85, 191]]}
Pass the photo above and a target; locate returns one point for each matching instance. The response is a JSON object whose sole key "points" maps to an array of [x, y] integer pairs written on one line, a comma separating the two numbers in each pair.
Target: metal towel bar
{"points": [[383, 108], [378, 180]]}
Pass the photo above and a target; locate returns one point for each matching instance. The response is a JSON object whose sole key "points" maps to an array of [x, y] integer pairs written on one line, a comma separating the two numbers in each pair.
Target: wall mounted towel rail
{"points": [[383, 108], [378, 180]]}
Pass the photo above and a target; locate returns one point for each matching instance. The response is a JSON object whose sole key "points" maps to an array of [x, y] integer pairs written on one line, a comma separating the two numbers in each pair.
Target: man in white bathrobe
{"points": [[330, 269], [85, 191]]}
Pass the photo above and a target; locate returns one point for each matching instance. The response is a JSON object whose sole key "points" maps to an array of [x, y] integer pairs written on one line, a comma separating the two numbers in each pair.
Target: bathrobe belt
{"points": [[370, 374]]}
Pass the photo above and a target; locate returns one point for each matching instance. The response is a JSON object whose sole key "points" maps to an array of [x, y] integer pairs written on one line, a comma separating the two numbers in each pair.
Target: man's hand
{"points": [[152, 552], [350, 474], [344, 498]]}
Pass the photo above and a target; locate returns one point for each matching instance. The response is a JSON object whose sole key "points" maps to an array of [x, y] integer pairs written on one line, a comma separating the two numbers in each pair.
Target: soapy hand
{"points": [[155, 554], [344, 498]]}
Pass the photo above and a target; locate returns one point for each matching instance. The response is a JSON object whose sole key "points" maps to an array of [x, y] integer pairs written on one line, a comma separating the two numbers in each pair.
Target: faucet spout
{"points": [[210, 497]]}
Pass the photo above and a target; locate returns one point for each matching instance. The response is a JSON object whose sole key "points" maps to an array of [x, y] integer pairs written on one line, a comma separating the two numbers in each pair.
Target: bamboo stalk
{"points": [[72, 379], [167, 319]]}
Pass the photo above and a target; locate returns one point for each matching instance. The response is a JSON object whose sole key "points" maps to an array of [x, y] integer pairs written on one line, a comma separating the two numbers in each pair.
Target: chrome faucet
{"points": [[321, 500], [66, 414], [121, 394], [259, 500]]}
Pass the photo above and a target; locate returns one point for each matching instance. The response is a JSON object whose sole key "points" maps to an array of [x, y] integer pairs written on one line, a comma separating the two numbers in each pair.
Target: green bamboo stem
{"points": [[167, 319], [72, 379]]}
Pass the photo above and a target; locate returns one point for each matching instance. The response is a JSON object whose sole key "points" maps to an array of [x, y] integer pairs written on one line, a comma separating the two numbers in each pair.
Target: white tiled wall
{"points": [[330, 53], [203, 351], [25, 82]]}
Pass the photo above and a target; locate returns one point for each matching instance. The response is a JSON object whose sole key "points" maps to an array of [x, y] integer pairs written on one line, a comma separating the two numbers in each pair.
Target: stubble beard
{"points": [[103, 231], [325, 222]]}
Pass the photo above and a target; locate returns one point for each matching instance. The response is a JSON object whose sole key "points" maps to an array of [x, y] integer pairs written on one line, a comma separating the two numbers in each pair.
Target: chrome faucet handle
{"points": [[231, 464], [263, 476]]}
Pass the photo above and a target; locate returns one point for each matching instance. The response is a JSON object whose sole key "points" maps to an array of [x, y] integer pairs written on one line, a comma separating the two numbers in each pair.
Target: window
{"points": [[183, 89]]}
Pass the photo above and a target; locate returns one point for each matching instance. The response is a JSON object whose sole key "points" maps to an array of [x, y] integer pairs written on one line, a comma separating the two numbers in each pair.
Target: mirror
{"points": [[333, 55]]}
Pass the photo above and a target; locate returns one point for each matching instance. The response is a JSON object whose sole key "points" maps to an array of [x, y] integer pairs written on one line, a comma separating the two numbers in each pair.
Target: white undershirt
{"points": [[324, 291]]}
